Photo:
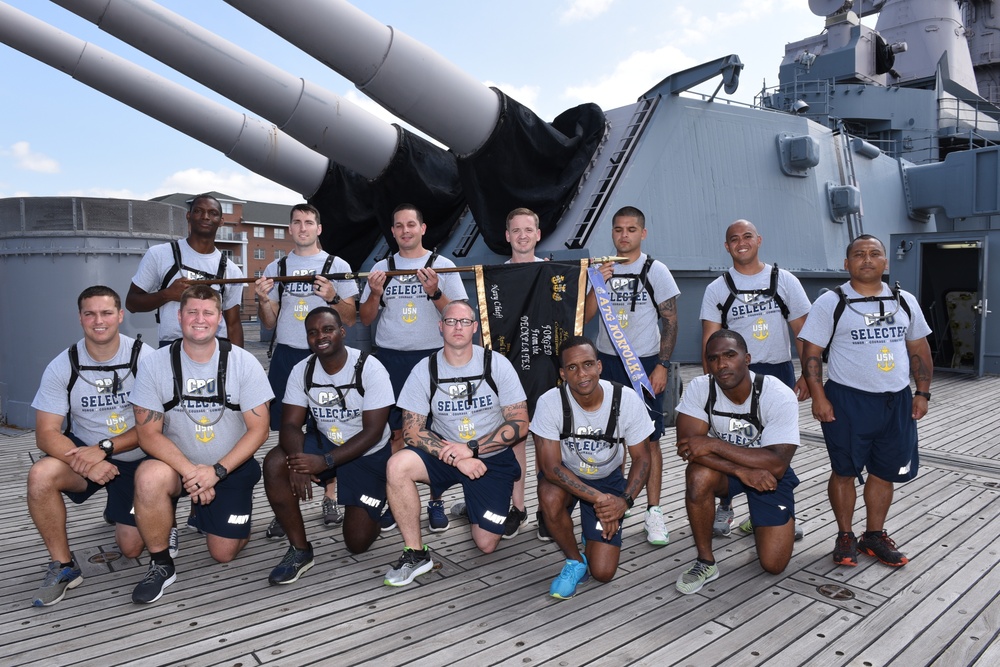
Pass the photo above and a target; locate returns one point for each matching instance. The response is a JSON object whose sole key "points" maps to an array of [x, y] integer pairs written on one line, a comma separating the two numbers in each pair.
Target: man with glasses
{"points": [[166, 269], [479, 412]]}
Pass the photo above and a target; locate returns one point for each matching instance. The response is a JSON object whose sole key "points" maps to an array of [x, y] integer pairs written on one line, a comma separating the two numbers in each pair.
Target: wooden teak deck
{"points": [[942, 608]]}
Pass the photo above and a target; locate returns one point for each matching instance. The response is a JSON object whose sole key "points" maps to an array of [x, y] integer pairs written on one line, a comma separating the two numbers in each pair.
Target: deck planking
{"points": [[478, 609]]}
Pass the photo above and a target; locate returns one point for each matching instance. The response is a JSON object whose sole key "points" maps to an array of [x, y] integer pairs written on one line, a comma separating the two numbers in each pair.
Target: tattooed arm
{"points": [[549, 458], [152, 440], [668, 338], [416, 434], [812, 371], [922, 368]]}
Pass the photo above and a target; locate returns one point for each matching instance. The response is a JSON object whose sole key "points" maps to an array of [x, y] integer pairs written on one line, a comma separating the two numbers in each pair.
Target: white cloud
{"points": [[239, 184], [632, 77], [526, 95], [584, 10], [31, 161]]}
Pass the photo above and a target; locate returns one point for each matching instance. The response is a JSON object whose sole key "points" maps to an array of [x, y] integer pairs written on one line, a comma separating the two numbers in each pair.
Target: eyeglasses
{"points": [[452, 321]]}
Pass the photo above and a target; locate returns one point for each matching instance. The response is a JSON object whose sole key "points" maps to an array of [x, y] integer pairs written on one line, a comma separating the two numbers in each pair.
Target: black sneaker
{"points": [[846, 550], [293, 565], [515, 519], [274, 530], [151, 588], [882, 547], [543, 532], [410, 565]]}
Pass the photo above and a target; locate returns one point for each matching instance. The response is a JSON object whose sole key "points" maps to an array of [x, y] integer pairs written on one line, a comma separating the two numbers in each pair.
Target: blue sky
{"points": [[60, 137]]}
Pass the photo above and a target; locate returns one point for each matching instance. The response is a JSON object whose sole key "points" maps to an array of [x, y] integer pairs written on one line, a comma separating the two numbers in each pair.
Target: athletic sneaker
{"points": [[333, 514], [58, 579], [515, 519], [573, 573], [543, 532], [174, 543], [459, 509], [656, 527], [696, 576], [409, 566], [274, 530], [437, 520], [882, 547], [723, 525], [846, 550], [293, 565], [151, 588], [387, 522], [747, 528]]}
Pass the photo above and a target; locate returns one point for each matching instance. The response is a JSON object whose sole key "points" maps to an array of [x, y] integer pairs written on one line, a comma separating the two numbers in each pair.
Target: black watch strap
{"points": [[220, 471], [925, 394]]}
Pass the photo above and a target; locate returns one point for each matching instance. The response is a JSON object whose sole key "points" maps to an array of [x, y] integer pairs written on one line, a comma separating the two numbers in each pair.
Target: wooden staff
{"points": [[365, 274]]}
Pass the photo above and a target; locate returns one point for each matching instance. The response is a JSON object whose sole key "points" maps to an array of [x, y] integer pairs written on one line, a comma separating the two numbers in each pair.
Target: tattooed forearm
{"points": [[572, 484], [144, 416], [813, 369], [638, 480], [513, 429], [921, 374], [668, 327], [416, 435]]}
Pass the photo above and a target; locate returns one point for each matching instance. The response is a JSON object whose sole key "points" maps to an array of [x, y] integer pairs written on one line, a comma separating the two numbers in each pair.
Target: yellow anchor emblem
{"points": [[466, 430], [409, 313], [202, 432], [301, 310], [760, 329], [335, 435], [885, 360], [622, 318], [116, 423]]}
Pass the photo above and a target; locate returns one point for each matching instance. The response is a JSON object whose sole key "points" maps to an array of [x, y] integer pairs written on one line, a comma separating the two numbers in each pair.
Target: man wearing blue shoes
{"points": [[581, 431]]}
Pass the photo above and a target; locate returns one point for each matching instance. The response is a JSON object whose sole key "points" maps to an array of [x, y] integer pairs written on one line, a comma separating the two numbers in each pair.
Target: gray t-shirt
{"points": [[456, 418], [96, 413], [758, 318], [586, 455], [159, 259], [203, 431], [298, 298], [642, 325], [339, 423], [409, 320], [867, 353], [778, 411]]}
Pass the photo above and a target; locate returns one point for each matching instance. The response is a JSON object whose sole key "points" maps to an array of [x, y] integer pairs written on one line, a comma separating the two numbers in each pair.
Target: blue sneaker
{"points": [[58, 580], [437, 520], [573, 573]]}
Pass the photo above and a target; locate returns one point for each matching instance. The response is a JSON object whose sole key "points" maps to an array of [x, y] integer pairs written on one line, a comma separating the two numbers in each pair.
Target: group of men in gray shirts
{"points": [[188, 418]]}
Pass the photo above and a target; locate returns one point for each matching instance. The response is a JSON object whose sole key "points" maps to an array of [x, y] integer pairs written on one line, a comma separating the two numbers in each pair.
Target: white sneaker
{"points": [[656, 527]]}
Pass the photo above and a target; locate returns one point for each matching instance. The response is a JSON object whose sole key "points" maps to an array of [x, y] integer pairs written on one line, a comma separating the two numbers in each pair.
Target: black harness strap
{"points": [[175, 248], [612, 426], [391, 263], [356, 383], [771, 292], [283, 271], [753, 417], [470, 390], [116, 383], [844, 302], [220, 398]]}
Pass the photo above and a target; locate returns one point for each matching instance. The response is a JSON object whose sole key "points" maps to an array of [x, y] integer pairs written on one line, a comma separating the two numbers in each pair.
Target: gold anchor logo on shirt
{"points": [[622, 317], [301, 310], [409, 313], [885, 360], [116, 423], [202, 432], [760, 329], [335, 435], [466, 430]]}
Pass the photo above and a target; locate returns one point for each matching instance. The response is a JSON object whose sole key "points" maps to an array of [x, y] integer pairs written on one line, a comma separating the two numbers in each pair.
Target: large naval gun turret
{"points": [[888, 130]]}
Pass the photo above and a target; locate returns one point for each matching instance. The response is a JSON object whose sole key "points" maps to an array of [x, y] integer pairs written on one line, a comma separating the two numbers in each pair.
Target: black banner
{"points": [[527, 311]]}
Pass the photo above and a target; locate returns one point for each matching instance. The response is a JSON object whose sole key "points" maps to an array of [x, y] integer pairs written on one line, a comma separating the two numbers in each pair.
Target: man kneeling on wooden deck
{"points": [[581, 431], [343, 397], [738, 431], [479, 410]]}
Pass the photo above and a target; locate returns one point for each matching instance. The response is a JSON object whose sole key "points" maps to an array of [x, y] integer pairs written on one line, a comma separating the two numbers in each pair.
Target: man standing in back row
{"points": [[644, 297], [166, 270], [411, 308], [760, 302], [876, 336]]}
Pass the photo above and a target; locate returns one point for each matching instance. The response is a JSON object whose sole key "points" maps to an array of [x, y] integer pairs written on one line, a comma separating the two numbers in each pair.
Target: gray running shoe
{"points": [[333, 514], [151, 588], [174, 543], [459, 509], [409, 566], [58, 579], [724, 518], [274, 530], [293, 565], [696, 576]]}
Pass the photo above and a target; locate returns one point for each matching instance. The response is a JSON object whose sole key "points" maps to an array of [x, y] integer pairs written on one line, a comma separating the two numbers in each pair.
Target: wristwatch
{"points": [[665, 364], [474, 446], [328, 460], [629, 500], [436, 295], [335, 300], [107, 447], [925, 394], [220, 471]]}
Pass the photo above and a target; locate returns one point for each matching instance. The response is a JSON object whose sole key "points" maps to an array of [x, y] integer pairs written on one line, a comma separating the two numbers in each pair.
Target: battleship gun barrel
{"points": [[255, 144]]}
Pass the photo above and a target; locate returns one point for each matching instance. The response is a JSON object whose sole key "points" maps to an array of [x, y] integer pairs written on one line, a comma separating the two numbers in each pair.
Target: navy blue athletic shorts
{"points": [[228, 515], [362, 481], [121, 490], [399, 364], [282, 361], [770, 508]]}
